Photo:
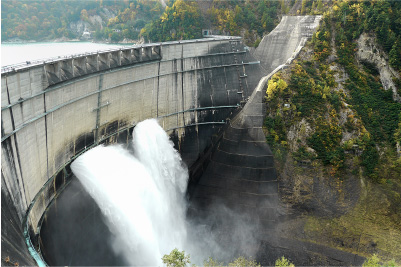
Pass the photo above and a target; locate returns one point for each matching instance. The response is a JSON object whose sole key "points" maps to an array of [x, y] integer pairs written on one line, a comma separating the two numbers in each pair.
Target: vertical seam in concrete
{"points": [[157, 93], [16, 148], [246, 80], [99, 100], [225, 86], [182, 84], [47, 145]]}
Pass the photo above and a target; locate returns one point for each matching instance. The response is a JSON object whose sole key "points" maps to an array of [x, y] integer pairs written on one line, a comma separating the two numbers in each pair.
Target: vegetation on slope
{"points": [[133, 19], [181, 259], [180, 21], [186, 19], [45, 20], [331, 113]]}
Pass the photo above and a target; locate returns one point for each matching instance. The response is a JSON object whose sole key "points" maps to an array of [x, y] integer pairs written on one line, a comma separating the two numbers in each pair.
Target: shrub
{"points": [[176, 258], [283, 262]]}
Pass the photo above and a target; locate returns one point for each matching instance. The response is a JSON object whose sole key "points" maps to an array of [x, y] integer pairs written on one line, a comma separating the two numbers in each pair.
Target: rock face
{"points": [[94, 22], [78, 27], [369, 51]]}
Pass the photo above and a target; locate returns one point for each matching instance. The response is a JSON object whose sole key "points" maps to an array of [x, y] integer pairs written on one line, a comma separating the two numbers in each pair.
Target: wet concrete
{"points": [[74, 231]]}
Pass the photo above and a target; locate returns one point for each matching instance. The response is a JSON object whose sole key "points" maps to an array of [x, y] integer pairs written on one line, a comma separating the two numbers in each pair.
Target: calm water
{"points": [[18, 53]]}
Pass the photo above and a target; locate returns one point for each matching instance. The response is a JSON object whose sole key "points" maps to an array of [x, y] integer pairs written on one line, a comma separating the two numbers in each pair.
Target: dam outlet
{"points": [[141, 197]]}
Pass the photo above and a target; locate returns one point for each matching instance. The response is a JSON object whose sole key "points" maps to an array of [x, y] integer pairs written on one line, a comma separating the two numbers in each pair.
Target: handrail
{"points": [[29, 64]]}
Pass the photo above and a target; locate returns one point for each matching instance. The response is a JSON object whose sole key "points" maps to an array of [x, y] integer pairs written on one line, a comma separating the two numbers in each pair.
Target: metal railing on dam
{"points": [[54, 110], [123, 56]]}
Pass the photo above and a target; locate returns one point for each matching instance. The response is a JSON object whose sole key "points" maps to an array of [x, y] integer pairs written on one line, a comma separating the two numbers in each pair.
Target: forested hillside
{"points": [[115, 20], [334, 123], [186, 19], [51, 19]]}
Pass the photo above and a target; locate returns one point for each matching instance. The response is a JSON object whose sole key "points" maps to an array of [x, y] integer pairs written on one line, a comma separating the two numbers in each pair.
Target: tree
{"points": [[283, 262], [283, 7], [243, 262], [372, 261], [180, 21], [212, 263], [395, 55], [115, 37], [176, 258], [84, 14], [275, 85], [303, 7], [319, 5]]}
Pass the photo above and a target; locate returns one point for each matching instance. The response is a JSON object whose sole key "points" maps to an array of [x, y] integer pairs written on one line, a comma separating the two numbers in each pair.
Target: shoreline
{"points": [[64, 40]]}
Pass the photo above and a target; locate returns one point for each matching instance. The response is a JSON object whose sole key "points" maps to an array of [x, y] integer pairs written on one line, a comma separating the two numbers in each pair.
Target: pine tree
{"points": [[303, 7], [319, 5], [395, 55]]}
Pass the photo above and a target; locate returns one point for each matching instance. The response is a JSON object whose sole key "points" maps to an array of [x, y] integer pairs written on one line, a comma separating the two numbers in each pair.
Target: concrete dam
{"points": [[207, 94]]}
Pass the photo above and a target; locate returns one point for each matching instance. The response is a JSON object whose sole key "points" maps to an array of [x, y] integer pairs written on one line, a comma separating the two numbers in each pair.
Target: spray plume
{"points": [[142, 198], [140, 195]]}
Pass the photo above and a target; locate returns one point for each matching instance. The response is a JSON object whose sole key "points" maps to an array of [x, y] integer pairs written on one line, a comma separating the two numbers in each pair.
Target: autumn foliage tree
{"points": [[180, 21]]}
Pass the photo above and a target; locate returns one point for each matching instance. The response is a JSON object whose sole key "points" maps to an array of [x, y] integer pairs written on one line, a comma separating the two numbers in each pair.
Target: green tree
{"points": [[176, 258], [212, 263], [116, 37], [243, 262], [283, 7], [275, 85], [84, 14], [319, 5], [283, 262], [303, 5], [395, 55], [372, 261], [180, 21]]}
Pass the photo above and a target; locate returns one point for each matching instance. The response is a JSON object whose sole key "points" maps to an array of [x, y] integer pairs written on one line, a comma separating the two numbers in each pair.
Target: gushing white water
{"points": [[141, 195]]}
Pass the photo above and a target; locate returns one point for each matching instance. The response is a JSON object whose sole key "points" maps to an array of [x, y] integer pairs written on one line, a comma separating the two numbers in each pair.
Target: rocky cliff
{"points": [[327, 124], [93, 23], [370, 52]]}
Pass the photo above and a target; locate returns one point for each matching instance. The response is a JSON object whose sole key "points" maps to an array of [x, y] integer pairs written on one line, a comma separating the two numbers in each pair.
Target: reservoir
{"points": [[14, 53]]}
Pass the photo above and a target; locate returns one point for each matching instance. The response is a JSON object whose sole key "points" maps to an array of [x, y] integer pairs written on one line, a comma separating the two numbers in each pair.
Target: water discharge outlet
{"points": [[141, 195]]}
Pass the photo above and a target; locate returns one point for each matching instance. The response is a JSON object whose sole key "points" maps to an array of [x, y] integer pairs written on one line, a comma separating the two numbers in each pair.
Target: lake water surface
{"points": [[14, 53]]}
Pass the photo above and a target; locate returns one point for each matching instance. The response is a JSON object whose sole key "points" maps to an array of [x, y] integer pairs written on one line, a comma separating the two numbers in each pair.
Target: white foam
{"points": [[141, 195]]}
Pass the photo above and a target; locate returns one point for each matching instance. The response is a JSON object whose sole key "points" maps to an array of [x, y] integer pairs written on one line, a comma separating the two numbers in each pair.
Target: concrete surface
{"points": [[279, 45], [54, 110]]}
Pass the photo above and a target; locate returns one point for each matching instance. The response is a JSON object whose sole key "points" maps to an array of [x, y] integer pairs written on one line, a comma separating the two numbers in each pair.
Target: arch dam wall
{"points": [[54, 110]]}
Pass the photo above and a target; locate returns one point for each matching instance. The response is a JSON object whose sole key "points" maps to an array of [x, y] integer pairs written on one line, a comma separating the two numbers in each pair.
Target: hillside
{"points": [[68, 19], [143, 20], [334, 124]]}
